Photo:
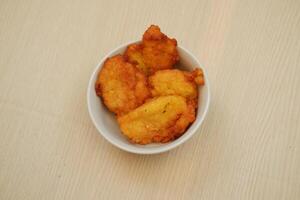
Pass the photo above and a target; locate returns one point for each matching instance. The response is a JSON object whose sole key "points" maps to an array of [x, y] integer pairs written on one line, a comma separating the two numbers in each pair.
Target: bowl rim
{"points": [[160, 149]]}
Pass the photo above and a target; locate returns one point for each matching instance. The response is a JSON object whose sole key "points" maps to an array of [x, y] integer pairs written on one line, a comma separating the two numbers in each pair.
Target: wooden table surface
{"points": [[247, 148]]}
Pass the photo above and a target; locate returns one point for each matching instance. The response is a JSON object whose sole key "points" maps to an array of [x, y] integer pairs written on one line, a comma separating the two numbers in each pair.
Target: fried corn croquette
{"points": [[159, 51], [121, 85], [155, 52], [134, 55], [182, 83], [152, 101], [161, 119], [176, 82]]}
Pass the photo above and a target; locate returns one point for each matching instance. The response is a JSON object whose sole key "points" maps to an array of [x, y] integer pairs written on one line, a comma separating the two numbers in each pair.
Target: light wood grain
{"points": [[247, 148]]}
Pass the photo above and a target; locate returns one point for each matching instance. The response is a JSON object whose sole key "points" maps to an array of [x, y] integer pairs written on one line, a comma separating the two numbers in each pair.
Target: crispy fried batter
{"points": [[161, 119], [134, 55], [155, 52], [176, 82], [159, 51], [182, 83], [121, 85]]}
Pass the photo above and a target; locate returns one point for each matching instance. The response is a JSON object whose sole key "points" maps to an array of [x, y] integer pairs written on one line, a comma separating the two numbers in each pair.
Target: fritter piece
{"points": [[161, 119], [134, 55], [176, 82], [155, 52], [121, 85], [159, 51], [182, 83]]}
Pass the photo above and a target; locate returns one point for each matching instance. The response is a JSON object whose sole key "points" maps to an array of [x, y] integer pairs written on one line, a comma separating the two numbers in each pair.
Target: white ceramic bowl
{"points": [[108, 127]]}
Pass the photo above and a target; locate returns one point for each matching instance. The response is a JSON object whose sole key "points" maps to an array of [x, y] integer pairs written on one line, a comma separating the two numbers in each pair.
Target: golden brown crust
{"points": [[159, 51], [121, 85], [197, 76], [134, 55], [181, 83], [155, 52], [161, 119], [153, 102], [176, 82]]}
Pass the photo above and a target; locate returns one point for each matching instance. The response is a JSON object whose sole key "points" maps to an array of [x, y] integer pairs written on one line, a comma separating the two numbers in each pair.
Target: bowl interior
{"points": [[107, 125]]}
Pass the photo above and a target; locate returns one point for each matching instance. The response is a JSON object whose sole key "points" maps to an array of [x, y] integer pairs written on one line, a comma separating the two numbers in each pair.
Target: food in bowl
{"points": [[156, 51], [121, 85], [160, 119], [153, 101]]}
